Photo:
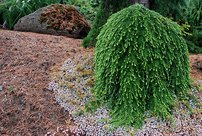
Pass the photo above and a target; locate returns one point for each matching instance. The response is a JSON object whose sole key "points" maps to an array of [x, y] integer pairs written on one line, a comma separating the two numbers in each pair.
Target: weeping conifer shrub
{"points": [[142, 65], [106, 9]]}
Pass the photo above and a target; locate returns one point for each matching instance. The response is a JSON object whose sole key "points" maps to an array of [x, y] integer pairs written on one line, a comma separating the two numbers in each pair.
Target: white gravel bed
{"points": [[73, 89]]}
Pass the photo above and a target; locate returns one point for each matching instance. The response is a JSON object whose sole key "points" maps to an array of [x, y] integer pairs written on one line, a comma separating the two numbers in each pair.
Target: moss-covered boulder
{"points": [[141, 64]]}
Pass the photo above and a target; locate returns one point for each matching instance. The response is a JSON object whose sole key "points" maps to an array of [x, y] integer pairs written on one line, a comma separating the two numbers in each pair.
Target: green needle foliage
{"points": [[106, 9], [141, 64], [190, 11], [168, 8]]}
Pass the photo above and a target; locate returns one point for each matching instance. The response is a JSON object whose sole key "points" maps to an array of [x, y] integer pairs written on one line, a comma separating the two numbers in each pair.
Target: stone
{"points": [[198, 64], [57, 19], [1, 88], [146, 3]]}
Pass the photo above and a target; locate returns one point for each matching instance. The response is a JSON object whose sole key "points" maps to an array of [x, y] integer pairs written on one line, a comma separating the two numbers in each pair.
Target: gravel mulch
{"points": [[72, 91]]}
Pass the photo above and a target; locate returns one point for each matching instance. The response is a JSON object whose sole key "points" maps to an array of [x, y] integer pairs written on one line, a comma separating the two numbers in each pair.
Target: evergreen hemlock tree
{"points": [[106, 9], [141, 64], [168, 8]]}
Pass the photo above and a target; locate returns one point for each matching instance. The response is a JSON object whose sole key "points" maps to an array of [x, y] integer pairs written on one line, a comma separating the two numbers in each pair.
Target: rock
{"points": [[198, 64], [57, 19], [146, 3], [1, 88]]}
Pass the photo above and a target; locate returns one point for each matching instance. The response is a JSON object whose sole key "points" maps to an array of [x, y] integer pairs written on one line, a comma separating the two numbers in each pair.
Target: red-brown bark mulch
{"points": [[26, 106]]}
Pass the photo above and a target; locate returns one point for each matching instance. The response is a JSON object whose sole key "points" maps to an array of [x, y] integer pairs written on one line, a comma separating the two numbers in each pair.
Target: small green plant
{"points": [[95, 3], [11, 89], [142, 64], [86, 7]]}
